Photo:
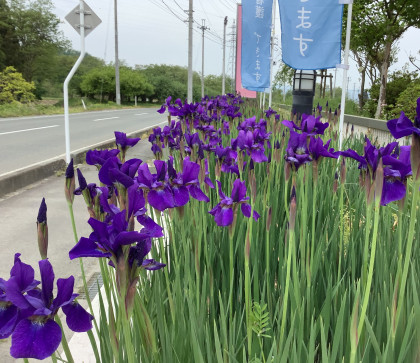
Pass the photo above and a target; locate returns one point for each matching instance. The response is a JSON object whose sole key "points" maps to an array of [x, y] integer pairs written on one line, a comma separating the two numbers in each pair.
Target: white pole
{"points": [[346, 66], [335, 77], [224, 55], [117, 62], [68, 78], [273, 26], [203, 28], [190, 51]]}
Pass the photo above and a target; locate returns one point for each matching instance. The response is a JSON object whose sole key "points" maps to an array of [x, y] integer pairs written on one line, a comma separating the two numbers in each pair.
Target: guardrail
{"points": [[374, 128]]}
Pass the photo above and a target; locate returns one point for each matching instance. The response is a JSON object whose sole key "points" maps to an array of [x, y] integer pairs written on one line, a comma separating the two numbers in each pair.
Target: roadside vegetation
{"points": [[35, 59]]}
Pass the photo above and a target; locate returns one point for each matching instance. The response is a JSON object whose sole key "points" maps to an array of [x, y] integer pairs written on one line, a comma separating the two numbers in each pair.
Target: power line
{"points": [[177, 15], [216, 38], [178, 5], [165, 9]]}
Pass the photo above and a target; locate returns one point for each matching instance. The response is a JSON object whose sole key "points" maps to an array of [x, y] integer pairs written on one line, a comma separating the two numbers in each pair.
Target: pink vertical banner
{"points": [[239, 89]]}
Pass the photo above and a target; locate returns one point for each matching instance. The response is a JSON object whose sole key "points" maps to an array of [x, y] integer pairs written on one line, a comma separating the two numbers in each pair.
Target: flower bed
{"points": [[265, 251]]}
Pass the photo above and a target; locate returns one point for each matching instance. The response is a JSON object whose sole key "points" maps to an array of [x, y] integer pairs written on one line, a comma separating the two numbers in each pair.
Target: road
{"points": [[25, 141]]}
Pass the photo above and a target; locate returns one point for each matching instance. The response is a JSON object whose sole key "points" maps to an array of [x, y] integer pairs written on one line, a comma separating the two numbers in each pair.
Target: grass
{"points": [[267, 292]]}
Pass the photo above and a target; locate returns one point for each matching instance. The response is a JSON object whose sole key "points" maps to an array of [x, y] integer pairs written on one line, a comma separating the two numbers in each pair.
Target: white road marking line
{"points": [[103, 119], [61, 156], [25, 130], [139, 114], [8, 119]]}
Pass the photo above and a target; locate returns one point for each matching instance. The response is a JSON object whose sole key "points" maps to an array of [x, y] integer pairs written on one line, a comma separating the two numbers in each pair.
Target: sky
{"points": [[155, 32]]}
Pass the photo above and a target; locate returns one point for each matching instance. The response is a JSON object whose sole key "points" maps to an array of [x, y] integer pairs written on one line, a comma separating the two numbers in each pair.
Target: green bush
{"points": [[407, 102], [14, 88]]}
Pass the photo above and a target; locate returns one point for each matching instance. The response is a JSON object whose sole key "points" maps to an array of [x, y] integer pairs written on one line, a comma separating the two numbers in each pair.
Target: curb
{"points": [[10, 183]]}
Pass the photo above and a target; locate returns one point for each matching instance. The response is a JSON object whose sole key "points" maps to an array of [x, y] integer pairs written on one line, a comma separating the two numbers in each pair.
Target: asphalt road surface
{"points": [[26, 141]]}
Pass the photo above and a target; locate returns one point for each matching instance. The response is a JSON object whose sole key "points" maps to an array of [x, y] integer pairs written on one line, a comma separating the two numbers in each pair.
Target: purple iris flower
{"points": [[317, 149], [166, 104], [370, 160], [37, 335], [396, 171], [107, 240], [113, 172], [297, 152], [22, 279], [156, 186], [269, 112], [98, 157], [224, 211], [248, 124], [246, 141], [403, 126], [310, 125], [82, 183], [394, 176], [185, 184], [225, 154], [123, 142], [137, 254]]}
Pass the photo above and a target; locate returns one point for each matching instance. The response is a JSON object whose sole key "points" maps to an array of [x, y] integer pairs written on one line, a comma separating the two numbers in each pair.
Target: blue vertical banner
{"points": [[311, 33], [256, 35]]}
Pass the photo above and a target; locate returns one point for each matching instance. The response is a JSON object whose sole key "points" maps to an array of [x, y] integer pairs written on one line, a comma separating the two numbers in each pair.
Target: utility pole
{"points": [[203, 29], [190, 51], [117, 64], [224, 55], [232, 54]]}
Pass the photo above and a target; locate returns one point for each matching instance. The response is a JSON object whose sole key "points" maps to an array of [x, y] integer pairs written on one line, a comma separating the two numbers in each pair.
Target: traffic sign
{"points": [[91, 19]]}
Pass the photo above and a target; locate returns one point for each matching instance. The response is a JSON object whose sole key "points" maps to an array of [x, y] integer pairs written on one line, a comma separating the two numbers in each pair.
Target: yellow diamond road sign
{"points": [[91, 19]]}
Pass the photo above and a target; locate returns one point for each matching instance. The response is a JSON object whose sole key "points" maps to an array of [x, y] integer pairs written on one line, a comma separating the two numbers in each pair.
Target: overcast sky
{"points": [[154, 32]]}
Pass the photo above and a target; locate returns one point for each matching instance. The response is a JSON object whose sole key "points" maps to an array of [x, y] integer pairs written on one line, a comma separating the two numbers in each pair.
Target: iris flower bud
{"points": [[70, 183], [292, 214], [42, 229]]}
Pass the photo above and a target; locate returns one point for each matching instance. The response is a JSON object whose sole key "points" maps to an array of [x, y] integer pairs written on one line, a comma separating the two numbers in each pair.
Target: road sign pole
{"points": [[69, 77]]}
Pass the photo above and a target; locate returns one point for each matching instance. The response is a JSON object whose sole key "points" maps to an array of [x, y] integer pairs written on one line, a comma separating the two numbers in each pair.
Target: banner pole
{"points": [[345, 68], [273, 25]]}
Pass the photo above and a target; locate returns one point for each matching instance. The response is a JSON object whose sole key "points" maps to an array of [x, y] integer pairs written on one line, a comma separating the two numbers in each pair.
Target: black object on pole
{"points": [[303, 92]]}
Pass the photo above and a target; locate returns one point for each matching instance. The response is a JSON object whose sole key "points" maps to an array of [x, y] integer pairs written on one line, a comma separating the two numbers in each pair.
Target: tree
{"points": [[169, 80], [34, 28], [398, 82], [378, 24], [133, 83], [14, 88], [101, 81], [8, 43], [413, 61], [407, 101], [283, 77]]}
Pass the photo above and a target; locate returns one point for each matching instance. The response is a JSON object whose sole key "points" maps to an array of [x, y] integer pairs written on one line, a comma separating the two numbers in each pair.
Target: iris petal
{"points": [[32, 339], [47, 279], [181, 196], [161, 199], [64, 292], [8, 320], [224, 217], [86, 248], [392, 191], [77, 318]]}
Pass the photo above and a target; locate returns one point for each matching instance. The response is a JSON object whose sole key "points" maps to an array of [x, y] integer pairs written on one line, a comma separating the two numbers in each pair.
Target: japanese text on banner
{"points": [[311, 33]]}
